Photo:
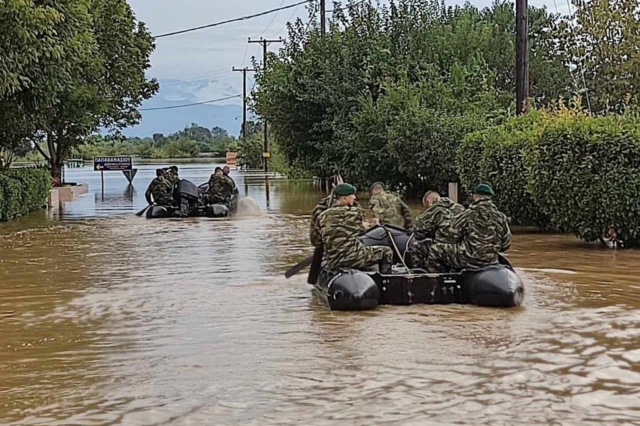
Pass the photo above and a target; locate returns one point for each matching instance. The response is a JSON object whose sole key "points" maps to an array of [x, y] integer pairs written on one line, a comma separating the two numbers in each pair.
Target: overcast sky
{"points": [[211, 53]]}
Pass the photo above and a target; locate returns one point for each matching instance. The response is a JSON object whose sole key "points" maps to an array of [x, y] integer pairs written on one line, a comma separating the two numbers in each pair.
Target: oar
{"points": [[141, 212], [299, 267]]}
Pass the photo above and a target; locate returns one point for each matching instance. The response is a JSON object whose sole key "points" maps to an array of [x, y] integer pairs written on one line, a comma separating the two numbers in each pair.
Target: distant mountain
{"points": [[177, 92]]}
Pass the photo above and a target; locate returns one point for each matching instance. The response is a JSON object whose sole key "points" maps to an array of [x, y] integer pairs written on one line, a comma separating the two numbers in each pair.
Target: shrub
{"points": [[497, 156], [585, 176], [23, 191]]}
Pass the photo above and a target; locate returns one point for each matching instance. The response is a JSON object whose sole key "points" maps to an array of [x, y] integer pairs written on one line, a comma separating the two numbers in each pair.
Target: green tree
{"points": [[108, 83], [601, 41], [182, 148]]}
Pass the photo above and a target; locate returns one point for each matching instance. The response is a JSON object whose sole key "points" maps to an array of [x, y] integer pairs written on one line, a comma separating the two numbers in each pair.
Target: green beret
{"points": [[484, 189], [376, 184], [345, 189]]}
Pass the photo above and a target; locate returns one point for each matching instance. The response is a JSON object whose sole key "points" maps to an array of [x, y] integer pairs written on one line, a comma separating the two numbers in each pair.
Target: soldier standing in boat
{"points": [[340, 228], [389, 209], [172, 175], [435, 224], [480, 233], [159, 191]]}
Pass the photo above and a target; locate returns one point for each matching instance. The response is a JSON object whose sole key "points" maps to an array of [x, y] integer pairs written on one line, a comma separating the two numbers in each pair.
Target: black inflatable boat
{"points": [[188, 202], [348, 290]]}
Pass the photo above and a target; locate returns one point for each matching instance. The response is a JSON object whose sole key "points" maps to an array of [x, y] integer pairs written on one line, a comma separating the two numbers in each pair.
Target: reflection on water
{"points": [[108, 318]]}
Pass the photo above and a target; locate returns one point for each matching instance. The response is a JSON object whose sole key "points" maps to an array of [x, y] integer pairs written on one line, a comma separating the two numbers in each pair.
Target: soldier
{"points": [[340, 228], [226, 170], [220, 188], [159, 191], [389, 209], [324, 204], [172, 176], [435, 223], [480, 233]]}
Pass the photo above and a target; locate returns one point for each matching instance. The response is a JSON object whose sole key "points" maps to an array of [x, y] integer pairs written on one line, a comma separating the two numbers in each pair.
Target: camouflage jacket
{"points": [[483, 232], [160, 190], [221, 187], [314, 228], [391, 210], [172, 178], [436, 221], [340, 228]]}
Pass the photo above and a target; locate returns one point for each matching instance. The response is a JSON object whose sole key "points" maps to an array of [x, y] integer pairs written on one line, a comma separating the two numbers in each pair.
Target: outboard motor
{"points": [[352, 290], [187, 196]]}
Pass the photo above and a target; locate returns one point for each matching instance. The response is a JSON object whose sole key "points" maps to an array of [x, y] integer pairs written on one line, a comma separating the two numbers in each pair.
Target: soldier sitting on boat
{"points": [[340, 228], [480, 233], [160, 190], [433, 225], [389, 209], [221, 189]]}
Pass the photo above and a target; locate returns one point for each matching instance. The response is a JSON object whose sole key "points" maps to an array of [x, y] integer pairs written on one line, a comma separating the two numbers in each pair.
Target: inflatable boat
{"points": [[188, 202], [350, 290]]}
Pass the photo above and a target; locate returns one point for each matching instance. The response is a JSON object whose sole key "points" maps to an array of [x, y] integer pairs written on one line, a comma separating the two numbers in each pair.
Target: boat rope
{"points": [[398, 251]]}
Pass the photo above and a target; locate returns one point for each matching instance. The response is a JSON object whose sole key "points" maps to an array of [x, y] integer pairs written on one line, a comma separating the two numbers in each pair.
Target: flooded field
{"points": [[111, 319]]}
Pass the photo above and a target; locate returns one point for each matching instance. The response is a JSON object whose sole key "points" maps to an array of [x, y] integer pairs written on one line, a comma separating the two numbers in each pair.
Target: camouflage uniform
{"points": [[391, 210], [220, 189], [172, 178], [160, 189], [314, 229], [340, 228], [434, 223], [481, 232]]}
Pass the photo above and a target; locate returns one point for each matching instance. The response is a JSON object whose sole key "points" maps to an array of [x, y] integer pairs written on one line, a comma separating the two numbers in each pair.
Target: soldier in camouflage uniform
{"points": [[340, 228], [435, 223], [389, 209], [220, 188], [171, 176], [324, 204], [480, 232], [159, 191]]}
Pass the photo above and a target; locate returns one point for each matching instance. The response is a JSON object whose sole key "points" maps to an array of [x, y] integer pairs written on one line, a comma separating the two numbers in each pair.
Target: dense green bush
{"points": [[584, 174], [23, 191], [497, 156]]}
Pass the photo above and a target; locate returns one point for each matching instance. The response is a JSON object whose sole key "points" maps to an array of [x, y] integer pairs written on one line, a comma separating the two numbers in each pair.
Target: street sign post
{"points": [[114, 164]]}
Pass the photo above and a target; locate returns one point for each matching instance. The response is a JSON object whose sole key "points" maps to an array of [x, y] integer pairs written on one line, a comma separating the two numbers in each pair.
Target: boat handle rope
{"points": [[398, 250]]}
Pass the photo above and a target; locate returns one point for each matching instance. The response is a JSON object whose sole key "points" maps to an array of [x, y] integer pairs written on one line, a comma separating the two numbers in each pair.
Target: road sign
{"points": [[109, 164]]}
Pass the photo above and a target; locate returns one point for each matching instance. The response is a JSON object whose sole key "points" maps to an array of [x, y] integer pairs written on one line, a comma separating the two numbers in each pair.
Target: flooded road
{"points": [[110, 319]]}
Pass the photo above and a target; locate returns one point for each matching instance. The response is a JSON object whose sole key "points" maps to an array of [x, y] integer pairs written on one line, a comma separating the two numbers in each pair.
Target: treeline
{"points": [[69, 68], [187, 143], [392, 93]]}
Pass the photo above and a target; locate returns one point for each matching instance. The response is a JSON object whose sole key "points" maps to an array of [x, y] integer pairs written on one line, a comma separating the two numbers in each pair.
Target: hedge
{"points": [[584, 173], [23, 191], [497, 156], [563, 172]]}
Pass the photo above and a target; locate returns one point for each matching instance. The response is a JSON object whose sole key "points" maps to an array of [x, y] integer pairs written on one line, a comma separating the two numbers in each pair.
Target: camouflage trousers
{"points": [[365, 257], [454, 257], [419, 255]]}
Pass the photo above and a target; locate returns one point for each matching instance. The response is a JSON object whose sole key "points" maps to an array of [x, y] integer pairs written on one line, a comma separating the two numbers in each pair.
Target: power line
{"points": [[243, 18], [272, 20], [189, 105]]}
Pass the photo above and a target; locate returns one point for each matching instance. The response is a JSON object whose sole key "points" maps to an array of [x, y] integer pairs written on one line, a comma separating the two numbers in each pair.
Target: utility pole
{"points": [[323, 17], [244, 72], [522, 56], [264, 42]]}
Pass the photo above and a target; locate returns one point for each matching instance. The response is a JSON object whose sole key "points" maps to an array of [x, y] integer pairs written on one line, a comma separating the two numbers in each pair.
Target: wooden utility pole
{"points": [[323, 17], [522, 56], [244, 72], [264, 42]]}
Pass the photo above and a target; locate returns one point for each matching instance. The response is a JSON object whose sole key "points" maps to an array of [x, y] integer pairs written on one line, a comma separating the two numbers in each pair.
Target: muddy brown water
{"points": [[110, 319]]}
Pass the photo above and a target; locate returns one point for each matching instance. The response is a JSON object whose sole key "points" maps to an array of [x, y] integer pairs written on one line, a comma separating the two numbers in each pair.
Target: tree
{"points": [[182, 148], [219, 133], [600, 40], [108, 83]]}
